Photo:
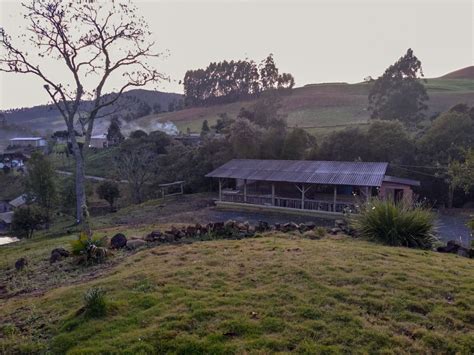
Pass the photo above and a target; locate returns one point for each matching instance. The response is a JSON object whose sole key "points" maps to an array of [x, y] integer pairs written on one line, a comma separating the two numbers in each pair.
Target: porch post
{"points": [[335, 198], [273, 194], [303, 190], [245, 190], [220, 189], [367, 193]]}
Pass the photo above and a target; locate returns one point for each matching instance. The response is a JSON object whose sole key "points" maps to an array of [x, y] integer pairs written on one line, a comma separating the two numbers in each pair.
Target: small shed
{"points": [[35, 142], [99, 141]]}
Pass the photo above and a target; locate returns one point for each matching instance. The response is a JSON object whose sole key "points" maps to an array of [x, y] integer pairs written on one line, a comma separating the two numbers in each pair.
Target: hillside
{"points": [[321, 108], [464, 73], [277, 293], [47, 118]]}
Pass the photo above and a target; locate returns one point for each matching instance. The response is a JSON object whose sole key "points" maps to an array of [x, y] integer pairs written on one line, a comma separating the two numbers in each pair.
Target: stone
{"points": [[58, 254], [21, 263], [310, 225], [135, 244], [454, 248], [118, 241], [153, 236], [334, 231], [340, 222], [262, 226]]}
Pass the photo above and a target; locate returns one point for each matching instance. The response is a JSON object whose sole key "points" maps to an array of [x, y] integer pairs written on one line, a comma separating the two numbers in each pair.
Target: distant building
{"points": [[19, 201], [5, 221], [99, 141], [5, 206], [35, 142]]}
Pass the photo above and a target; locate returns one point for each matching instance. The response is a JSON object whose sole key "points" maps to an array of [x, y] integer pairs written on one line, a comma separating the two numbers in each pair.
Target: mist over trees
{"points": [[230, 81]]}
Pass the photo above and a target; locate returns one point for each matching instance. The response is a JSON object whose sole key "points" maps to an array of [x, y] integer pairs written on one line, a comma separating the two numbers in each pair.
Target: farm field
{"points": [[321, 108]]}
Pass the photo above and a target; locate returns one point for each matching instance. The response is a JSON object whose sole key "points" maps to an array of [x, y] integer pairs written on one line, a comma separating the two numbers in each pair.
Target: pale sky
{"points": [[317, 41]]}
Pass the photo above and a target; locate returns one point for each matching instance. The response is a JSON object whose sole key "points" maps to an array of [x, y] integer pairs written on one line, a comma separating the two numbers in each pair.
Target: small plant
{"points": [[94, 303], [89, 248], [396, 224], [320, 232]]}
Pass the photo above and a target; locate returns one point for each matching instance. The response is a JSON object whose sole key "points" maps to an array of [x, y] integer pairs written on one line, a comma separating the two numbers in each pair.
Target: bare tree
{"points": [[95, 41], [137, 165]]}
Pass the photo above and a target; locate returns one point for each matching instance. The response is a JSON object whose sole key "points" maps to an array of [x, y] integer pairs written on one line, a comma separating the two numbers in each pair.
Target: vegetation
{"points": [[398, 94], [94, 303], [396, 224], [262, 295], [26, 220], [232, 81], [53, 36], [109, 191], [41, 183]]}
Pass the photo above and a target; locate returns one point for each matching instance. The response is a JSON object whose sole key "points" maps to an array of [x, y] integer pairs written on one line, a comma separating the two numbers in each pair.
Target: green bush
{"points": [[94, 303], [396, 224], [81, 244], [26, 220]]}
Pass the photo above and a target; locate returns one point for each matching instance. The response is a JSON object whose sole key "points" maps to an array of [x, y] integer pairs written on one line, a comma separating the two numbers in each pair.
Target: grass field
{"points": [[321, 108], [276, 293]]}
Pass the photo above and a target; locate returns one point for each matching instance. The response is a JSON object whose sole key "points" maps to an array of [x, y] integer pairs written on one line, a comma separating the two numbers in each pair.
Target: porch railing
{"points": [[294, 203]]}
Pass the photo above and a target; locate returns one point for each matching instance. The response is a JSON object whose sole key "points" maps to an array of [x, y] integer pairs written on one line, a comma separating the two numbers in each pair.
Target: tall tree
{"points": [[40, 183], [114, 134], [399, 93], [100, 40]]}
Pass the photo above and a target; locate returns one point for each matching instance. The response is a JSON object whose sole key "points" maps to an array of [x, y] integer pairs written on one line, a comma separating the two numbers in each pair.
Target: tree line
{"points": [[230, 81]]}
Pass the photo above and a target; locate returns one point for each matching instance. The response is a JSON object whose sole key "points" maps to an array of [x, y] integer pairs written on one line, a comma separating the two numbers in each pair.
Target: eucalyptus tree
{"points": [[103, 45]]}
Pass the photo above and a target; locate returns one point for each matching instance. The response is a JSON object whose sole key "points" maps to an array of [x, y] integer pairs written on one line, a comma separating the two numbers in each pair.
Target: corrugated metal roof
{"points": [[304, 171], [403, 181]]}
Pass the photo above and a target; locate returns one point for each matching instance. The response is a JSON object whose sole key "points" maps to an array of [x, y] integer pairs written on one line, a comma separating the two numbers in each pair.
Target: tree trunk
{"points": [[450, 196]]}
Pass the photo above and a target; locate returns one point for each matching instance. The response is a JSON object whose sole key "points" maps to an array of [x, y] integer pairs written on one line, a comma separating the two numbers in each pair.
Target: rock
{"points": [[334, 231], [302, 227], [21, 263], [118, 241], [135, 244], [289, 227], [310, 225], [153, 236], [454, 248], [262, 226], [340, 223], [58, 254]]}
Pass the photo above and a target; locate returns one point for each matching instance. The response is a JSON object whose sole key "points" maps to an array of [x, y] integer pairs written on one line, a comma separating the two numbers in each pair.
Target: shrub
{"points": [[81, 245], [109, 191], [320, 232], [26, 220], [94, 303], [396, 224]]}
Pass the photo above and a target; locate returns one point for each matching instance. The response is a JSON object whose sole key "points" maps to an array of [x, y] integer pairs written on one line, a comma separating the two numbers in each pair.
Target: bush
{"points": [[94, 303], [109, 191], [396, 224], [26, 220], [81, 245]]}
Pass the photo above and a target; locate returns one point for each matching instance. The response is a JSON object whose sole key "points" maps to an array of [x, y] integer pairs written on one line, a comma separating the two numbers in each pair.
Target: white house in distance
{"points": [[28, 142], [99, 141]]}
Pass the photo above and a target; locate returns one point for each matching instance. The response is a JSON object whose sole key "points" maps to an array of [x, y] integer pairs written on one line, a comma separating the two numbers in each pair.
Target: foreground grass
{"points": [[261, 295]]}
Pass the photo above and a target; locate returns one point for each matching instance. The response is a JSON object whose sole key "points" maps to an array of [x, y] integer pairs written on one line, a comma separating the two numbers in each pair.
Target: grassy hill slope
{"points": [[271, 294], [322, 108], [464, 73]]}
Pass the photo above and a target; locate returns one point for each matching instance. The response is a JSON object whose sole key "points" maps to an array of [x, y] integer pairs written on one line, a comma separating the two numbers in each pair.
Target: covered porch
{"points": [[327, 187], [305, 196]]}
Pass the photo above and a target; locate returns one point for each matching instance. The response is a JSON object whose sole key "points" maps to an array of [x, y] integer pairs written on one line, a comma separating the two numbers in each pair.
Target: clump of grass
{"points": [[80, 245], [396, 224], [94, 303]]}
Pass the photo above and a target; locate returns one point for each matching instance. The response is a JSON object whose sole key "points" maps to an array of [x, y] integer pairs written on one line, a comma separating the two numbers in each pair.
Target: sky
{"points": [[316, 41]]}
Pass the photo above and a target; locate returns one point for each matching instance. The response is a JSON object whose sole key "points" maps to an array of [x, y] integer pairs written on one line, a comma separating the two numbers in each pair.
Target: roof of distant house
{"points": [[99, 136], [26, 139], [19, 201], [304, 171], [6, 217]]}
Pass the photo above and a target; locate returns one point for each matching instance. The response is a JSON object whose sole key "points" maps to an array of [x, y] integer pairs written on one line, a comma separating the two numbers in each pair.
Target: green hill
{"points": [[321, 108], [277, 293]]}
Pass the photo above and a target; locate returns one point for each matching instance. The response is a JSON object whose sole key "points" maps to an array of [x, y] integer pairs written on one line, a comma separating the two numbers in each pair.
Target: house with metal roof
{"points": [[329, 187]]}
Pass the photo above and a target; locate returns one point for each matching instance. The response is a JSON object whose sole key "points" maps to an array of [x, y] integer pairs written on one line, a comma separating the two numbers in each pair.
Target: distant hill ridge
{"points": [[464, 73]]}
